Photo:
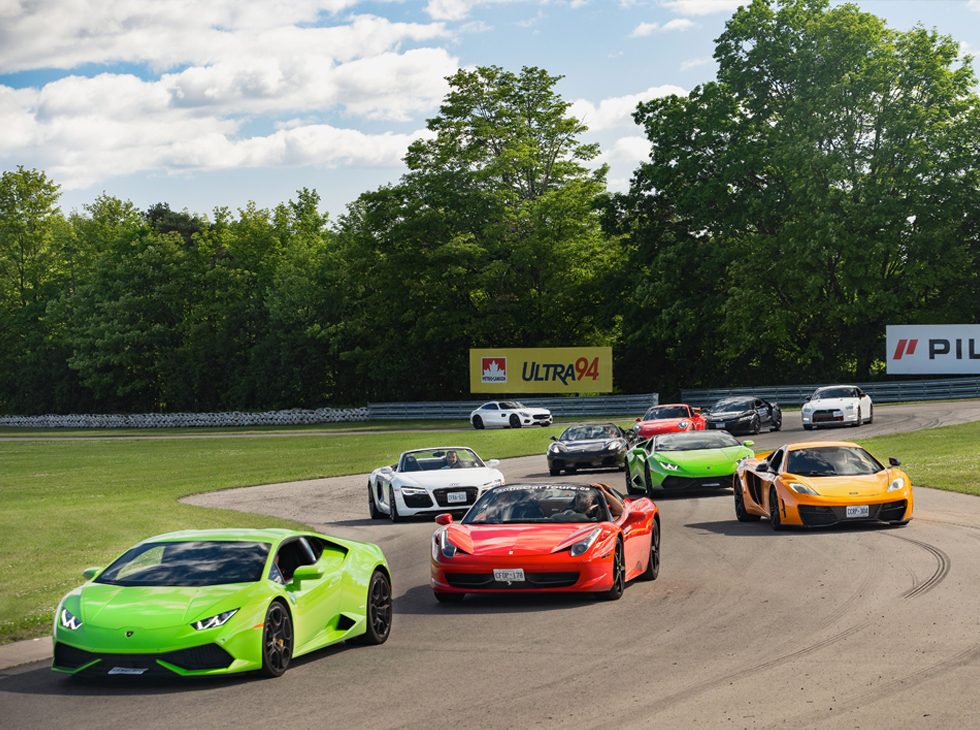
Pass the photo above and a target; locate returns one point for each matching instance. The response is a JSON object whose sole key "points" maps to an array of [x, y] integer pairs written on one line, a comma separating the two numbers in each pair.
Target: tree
{"points": [[833, 168]]}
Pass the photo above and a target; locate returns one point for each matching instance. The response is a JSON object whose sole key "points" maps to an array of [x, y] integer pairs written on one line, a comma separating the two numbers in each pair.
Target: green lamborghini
{"points": [[204, 602], [691, 459]]}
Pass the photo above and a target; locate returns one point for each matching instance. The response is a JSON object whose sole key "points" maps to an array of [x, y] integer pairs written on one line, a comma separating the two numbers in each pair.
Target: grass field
{"points": [[69, 504]]}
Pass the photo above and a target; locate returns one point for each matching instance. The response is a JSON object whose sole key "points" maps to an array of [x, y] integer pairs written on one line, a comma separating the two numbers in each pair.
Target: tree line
{"points": [[823, 186]]}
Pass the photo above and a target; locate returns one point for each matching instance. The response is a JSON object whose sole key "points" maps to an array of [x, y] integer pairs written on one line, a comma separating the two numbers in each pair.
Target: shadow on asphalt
{"points": [[734, 528], [420, 601]]}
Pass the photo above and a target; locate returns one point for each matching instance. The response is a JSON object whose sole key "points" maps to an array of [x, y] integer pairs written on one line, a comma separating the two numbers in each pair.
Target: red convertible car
{"points": [[669, 418], [548, 538]]}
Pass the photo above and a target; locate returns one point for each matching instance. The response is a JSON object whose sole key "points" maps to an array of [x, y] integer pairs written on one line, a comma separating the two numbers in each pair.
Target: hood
{"points": [[705, 462], [590, 444], [829, 403], [150, 607], [663, 425], [536, 539], [448, 478], [864, 485], [726, 415]]}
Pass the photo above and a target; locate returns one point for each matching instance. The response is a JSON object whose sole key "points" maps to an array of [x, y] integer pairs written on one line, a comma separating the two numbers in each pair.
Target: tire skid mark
{"points": [[943, 564], [947, 522], [663, 703], [895, 686]]}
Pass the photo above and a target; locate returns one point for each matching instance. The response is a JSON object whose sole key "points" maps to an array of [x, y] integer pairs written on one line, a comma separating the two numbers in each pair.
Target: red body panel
{"points": [[695, 422], [544, 548]]}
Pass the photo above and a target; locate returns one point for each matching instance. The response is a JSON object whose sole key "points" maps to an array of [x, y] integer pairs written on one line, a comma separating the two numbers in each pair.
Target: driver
{"points": [[452, 460]]}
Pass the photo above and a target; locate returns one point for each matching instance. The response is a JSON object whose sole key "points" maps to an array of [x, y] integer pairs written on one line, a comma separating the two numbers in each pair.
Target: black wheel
{"points": [[630, 487], [871, 416], [653, 567], [378, 618], [449, 597], [554, 472], [477, 423], [515, 420], [618, 576], [648, 479], [741, 514], [777, 423], [277, 641], [774, 520], [373, 510], [392, 507], [859, 420], [807, 427], [756, 424]]}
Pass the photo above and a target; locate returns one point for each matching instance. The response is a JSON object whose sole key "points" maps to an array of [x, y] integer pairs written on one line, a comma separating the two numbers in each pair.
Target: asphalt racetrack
{"points": [[859, 627]]}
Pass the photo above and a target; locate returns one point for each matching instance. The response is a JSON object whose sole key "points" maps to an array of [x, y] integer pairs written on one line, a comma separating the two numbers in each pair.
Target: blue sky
{"points": [[206, 103]]}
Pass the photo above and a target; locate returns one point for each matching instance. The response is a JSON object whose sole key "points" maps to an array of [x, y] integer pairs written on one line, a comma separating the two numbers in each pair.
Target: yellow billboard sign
{"points": [[541, 370]]}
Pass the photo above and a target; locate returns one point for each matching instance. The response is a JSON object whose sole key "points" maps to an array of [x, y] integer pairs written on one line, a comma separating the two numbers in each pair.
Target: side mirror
{"points": [[493, 463], [807, 399], [554, 438], [307, 572], [894, 462], [748, 443], [90, 573], [640, 418], [445, 519], [386, 470]]}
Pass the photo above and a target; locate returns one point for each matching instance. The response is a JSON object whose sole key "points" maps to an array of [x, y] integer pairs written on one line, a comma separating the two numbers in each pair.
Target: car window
{"points": [[188, 563], [533, 503], [659, 412]]}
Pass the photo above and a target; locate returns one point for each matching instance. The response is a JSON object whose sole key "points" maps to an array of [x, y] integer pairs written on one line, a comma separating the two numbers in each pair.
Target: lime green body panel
{"points": [[696, 464], [153, 621]]}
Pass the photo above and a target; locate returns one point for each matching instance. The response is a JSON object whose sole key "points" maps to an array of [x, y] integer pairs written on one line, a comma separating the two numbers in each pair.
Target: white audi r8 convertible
{"points": [[838, 404], [509, 414], [434, 481]]}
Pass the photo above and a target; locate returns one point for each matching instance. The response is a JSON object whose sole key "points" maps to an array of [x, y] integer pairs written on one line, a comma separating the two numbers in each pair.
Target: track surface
{"points": [[864, 626]]}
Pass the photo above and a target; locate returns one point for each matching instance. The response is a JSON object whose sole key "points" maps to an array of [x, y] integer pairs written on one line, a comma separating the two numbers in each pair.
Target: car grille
{"points": [[485, 581], [825, 417], [195, 659], [417, 501], [442, 496], [542, 417], [814, 516], [697, 483]]}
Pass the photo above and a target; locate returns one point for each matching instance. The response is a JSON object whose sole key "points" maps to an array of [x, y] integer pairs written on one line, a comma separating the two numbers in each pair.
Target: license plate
{"points": [[858, 511], [508, 576], [126, 670], [716, 425], [456, 497]]}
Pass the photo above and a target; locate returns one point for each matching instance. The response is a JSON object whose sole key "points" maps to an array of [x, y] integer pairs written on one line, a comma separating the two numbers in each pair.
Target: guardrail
{"points": [[882, 392], [595, 405]]}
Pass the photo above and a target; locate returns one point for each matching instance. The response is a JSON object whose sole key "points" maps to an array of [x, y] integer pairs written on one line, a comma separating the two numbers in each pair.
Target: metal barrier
{"points": [[882, 392], [597, 405]]}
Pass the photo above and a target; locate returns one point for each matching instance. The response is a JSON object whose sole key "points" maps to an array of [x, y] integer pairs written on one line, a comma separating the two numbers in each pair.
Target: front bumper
{"points": [[590, 460], [553, 573], [830, 417], [813, 511], [736, 426]]}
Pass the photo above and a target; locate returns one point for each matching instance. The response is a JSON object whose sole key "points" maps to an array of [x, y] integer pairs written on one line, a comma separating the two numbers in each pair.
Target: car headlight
{"points": [[668, 466], [447, 549], [897, 483], [807, 408], [526, 415], [555, 448], [614, 446], [683, 424], [213, 622], [582, 546], [803, 489], [493, 483], [413, 491], [68, 621], [849, 408], [636, 428]]}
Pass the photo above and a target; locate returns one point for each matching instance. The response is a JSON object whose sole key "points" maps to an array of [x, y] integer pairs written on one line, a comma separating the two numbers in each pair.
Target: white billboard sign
{"points": [[933, 349]]}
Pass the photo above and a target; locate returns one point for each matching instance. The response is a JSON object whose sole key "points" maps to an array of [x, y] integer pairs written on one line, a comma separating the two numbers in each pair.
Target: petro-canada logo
{"points": [[493, 370]]}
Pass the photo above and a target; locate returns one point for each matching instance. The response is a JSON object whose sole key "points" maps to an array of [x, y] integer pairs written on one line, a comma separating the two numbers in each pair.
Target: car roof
{"points": [[270, 535], [439, 448], [811, 444]]}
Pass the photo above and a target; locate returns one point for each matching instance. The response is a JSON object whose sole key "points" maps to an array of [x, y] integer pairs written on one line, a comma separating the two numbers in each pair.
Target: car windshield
{"points": [[511, 405], [695, 441], [726, 405], [825, 393], [190, 563], [832, 461], [444, 458], [655, 414], [532, 503], [589, 433]]}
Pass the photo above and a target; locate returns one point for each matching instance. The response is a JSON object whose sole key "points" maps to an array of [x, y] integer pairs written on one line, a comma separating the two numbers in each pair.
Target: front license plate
{"points": [[508, 576], [126, 670], [858, 511], [456, 497], [716, 425]]}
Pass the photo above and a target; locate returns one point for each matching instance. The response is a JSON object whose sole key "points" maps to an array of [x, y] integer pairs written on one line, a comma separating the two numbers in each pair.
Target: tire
{"points": [[630, 487], [478, 423], [777, 424], [807, 427], [277, 640], [871, 416], [449, 597], [647, 479], [554, 472], [618, 576], [378, 617], [756, 425], [515, 420], [393, 508], [860, 420], [741, 514], [653, 566], [373, 510], [774, 520]]}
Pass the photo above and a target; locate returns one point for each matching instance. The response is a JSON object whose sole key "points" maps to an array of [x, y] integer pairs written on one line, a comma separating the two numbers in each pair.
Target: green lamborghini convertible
{"points": [[692, 459], [220, 601]]}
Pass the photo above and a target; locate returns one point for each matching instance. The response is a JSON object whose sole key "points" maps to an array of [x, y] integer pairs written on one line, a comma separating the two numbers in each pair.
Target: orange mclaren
{"points": [[819, 483]]}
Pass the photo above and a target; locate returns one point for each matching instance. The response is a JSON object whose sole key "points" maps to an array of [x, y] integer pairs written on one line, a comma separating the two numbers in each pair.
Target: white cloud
{"points": [[453, 10], [678, 24], [618, 111], [703, 7], [627, 150], [695, 62], [645, 29]]}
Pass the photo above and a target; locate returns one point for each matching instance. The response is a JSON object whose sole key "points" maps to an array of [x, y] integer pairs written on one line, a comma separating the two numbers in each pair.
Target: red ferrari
{"points": [[551, 538], [669, 418]]}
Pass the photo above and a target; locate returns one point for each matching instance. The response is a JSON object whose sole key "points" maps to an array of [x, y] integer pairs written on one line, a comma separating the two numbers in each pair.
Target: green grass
{"points": [[70, 504]]}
